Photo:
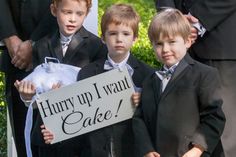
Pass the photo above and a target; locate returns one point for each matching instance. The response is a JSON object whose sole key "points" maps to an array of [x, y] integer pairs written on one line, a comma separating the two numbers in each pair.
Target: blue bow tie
{"points": [[166, 73], [65, 43], [109, 66]]}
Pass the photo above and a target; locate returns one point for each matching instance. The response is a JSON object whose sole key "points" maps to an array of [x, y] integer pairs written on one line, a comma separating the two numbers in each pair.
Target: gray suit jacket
{"points": [[188, 111]]}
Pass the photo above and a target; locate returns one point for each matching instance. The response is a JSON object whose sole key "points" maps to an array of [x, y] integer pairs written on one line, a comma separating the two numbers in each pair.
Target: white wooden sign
{"points": [[87, 105]]}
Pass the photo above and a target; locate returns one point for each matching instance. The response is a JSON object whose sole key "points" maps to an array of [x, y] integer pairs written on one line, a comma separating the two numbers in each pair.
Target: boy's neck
{"points": [[170, 66], [62, 36], [118, 61]]}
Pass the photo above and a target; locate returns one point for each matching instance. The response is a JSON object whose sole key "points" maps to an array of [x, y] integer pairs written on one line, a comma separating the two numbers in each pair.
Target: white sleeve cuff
{"points": [[28, 102], [200, 28]]}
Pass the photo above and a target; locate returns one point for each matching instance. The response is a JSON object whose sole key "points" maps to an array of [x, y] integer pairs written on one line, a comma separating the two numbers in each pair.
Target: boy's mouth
{"points": [[70, 27], [119, 47]]}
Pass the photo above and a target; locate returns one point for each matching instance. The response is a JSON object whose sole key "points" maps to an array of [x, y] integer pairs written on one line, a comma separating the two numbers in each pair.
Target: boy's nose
{"points": [[166, 47], [119, 38], [72, 18]]}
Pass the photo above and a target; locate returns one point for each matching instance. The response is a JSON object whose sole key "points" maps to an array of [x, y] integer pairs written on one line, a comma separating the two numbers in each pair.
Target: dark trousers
{"points": [[17, 109], [62, 149]]}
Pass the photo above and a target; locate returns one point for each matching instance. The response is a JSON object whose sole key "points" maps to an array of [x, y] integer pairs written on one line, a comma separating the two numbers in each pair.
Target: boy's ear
{"points": [[53, 10], [188, 42]]}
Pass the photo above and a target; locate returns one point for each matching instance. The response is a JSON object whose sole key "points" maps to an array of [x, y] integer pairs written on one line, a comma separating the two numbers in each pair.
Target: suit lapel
{"points": [[179, 72], [156, 85], [99, 67], [132, 62], [76, 43], [56, 46]]}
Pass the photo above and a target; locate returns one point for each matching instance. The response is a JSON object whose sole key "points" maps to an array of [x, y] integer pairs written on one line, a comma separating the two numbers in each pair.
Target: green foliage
{"points": [[146, 9], [3, 119]]}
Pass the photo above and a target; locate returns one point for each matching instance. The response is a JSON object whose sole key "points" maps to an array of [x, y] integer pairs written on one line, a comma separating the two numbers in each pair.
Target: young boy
{"points": [[119, 27], [180, 113], [119, 32], [71, 44]]}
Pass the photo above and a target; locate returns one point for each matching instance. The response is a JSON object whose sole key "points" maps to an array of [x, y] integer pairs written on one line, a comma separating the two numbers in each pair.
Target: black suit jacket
{"points": [[188, 111], [84, 48], [218, 18], [97, 143], [29, 19]]}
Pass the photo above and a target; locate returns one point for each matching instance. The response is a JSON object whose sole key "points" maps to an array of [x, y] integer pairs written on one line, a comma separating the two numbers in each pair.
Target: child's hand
{"points": [[194, 152], [57, 85], [152, 154], [47, 135], [26, 89], [136, 98]]}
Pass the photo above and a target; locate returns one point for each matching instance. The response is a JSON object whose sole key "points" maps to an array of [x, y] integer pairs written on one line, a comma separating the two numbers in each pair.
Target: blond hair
{"points": [[120, 14], [168, 23]]}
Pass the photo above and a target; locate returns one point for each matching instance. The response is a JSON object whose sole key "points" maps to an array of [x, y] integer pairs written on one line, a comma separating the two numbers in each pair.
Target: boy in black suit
{"points": [[72, 44], [119, 27], [180, 113]]}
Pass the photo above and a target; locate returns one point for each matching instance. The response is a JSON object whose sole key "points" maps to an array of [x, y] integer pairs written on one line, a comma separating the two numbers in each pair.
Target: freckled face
{"points": [[70, 15]]}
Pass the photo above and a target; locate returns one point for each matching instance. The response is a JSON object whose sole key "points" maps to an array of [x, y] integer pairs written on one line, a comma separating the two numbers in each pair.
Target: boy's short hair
{"points": [[88, 3], [120, 14], [168, 23]]}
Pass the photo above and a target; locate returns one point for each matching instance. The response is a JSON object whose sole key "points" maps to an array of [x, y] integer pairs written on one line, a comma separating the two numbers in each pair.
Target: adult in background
{"points": [[214, 22], [21, 23]]}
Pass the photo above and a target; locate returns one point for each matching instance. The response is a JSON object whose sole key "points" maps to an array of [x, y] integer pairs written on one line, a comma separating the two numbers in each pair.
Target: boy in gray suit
{"points": [[180, 113]]}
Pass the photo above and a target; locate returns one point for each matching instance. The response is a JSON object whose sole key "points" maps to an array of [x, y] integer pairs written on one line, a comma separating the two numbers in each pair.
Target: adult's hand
{"points": [[152, 154], [194, 31], [12, 44], [23, 57], [194, 152]]}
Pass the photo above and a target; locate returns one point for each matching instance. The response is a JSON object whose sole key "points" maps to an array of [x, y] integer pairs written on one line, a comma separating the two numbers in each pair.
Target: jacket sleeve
{"points": [[142, 138], [212, 13], [7, 26], [212, 119], [165, 3]]}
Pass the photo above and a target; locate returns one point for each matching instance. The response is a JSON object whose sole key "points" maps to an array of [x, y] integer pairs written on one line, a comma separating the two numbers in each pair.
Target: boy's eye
{"points": [[172, 41], [126, 33], [158, 43], [66, 11], [112, 33], [80, 13]]}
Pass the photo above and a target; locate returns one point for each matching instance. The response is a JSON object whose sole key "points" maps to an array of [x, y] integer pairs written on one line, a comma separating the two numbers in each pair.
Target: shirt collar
{"points": [[64, 38], [173, 66], [122, 63]]}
